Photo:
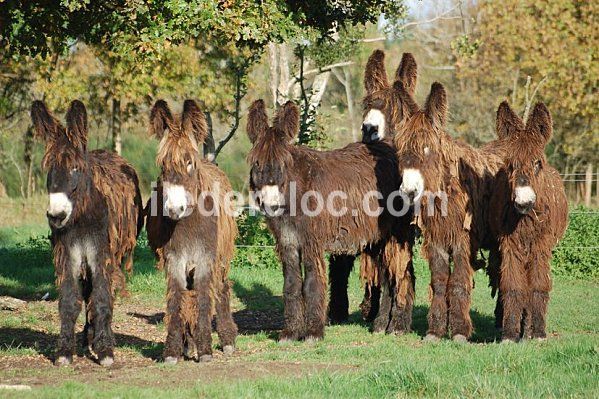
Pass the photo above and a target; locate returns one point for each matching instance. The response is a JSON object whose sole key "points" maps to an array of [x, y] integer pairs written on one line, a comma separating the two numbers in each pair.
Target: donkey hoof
{"points": [[228, 350], [312, 339], [459, 338], [431, 338], [63, 361], [170, 360], [107, 361], [205, 358]]}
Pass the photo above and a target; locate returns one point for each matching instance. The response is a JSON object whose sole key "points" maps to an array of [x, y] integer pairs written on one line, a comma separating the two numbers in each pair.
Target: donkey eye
{"points": [[74, 170], [537, 165], [427, 151], [189, 167]]}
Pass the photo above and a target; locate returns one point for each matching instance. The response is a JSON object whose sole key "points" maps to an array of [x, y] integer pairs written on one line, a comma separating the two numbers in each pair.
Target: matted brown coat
{"points": [[528, 215], [195, 245], [93, 232], [304, 237]]}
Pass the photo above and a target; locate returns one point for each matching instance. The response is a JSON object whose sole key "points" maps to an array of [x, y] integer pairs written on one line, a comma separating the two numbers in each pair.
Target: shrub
{"points": [[255, 244], [577, 254]]}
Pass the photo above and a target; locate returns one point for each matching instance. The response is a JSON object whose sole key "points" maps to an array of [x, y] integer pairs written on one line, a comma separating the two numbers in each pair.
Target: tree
{"points": [[523, 43]]}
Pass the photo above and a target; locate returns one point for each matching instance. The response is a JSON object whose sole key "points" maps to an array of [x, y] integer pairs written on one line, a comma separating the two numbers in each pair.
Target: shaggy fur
{"points": [[526, 238], [100, 233], [302, 240], [465, 175], [196, 250]]}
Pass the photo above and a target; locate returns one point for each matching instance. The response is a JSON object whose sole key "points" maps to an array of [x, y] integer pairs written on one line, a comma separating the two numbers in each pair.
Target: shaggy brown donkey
{"points": [[384, 109], [192, 229], [528, 214], [279, 169], [95, 213], [450, 182]]}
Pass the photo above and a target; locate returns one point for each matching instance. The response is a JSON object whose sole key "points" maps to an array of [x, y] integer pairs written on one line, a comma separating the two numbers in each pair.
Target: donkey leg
{"points": [[340, 267], [173, 346], [369, 272], [539, 282], [369, 307], [513, 294], [399, 262], [381, 322], [295, 324], [225, 325], [493, 271], [101, 300], [88, 329], [314, 289], [69, 307], [459, 293], [401, 312], [203, 328], [438, 260]]}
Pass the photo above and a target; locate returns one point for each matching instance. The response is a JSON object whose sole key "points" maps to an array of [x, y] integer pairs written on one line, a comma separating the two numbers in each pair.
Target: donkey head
{"points": [[65, 159], [419, 144], [179, 155], [525, 163], [270, 157], [383, 108]]}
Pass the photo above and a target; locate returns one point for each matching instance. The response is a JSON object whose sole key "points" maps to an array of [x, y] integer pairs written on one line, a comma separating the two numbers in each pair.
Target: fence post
{"points": [[588, 185]]}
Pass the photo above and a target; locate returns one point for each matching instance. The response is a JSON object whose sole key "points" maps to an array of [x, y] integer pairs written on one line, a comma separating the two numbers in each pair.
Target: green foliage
{"points": [[577, 254], [255, 244]]}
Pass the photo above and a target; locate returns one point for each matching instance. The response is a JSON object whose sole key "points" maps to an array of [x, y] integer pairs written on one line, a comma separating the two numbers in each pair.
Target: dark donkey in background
{"points": [[451, 183], [95, 214], [195, 248], [528, 215], [303, 238], [383, 111]]}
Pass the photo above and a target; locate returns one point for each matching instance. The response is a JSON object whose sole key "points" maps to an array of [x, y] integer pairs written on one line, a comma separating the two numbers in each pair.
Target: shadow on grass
{"points": [[263, 310], [45, 343], [26, 270]]}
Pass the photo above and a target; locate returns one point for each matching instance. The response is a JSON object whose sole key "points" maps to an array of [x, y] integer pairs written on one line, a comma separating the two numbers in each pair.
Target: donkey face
{"points": [[383, 109], [65, 159], [526, 162], [179, 155], [270, 157], [418, 143]]}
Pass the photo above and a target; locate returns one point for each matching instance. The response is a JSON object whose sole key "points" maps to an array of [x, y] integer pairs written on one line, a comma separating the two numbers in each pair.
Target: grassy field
{"points": [[349, 362]]}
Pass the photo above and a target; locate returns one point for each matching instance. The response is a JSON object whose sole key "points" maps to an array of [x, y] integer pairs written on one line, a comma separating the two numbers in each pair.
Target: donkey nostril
{"points": [[181, 208]]}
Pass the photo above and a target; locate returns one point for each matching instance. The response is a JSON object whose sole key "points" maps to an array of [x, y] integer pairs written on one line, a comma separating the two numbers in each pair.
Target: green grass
{"points": [[349, 362]]}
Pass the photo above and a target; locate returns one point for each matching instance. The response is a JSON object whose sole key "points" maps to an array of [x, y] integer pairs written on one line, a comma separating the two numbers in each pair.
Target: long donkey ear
{"points": [[409, 106], [507, 122], [77, 124], [193, 121], [540, 122], [407, 72], [287, 120], [161, 119], [375, 75], [46, 126], [257, 122], [436, 105]]}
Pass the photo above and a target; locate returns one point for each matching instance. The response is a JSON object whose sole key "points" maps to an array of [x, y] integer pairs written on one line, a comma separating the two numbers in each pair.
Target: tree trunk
{"points": [[115, 126], [588, 185]]}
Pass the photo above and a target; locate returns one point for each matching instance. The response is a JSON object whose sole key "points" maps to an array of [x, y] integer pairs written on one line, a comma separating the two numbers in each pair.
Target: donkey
{"points": [[383, 111], [94, 213], [449, 184], [191, 228], [288, 180], [528, 215]]}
